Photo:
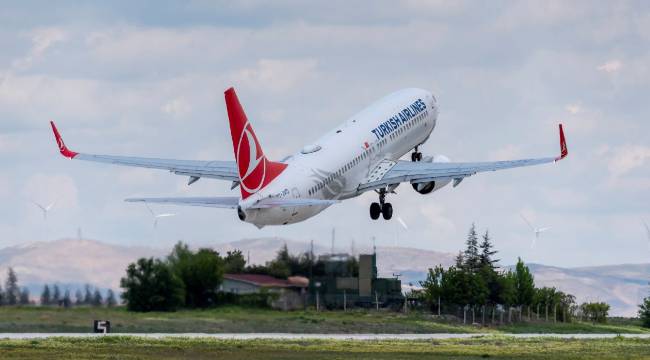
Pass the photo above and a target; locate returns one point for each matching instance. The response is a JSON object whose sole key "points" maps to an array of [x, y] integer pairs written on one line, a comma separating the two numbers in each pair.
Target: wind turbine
{"points": [[403, 224], [157, 216], [537, 231], [44, 209]]}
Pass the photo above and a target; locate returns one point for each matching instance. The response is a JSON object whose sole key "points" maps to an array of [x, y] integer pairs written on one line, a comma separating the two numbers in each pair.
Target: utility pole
{"points": [[439, 304], [345, 301], [333, 238]]}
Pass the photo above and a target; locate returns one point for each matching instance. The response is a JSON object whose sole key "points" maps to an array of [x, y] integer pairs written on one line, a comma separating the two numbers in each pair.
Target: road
{"points": [[281, 336]]}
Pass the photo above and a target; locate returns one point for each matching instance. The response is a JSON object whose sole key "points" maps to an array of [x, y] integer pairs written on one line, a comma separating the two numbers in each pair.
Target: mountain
{"points": [[622, 286], [72, 263]]}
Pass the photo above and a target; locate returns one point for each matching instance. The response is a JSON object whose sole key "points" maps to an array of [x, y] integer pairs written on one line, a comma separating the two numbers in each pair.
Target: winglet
{"points": [[564, 151], [59, 141]]}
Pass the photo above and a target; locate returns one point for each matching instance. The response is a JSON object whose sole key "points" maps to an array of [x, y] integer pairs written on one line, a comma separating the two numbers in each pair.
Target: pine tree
{"points": [[110, 298], [524, 284], [24, 296], [66, 299], [486, 252], [56, 295], [78, 298], [2, 296], [460, 260], [471, 252], [12, 291], [46, 297], [88, 297], [97, 298]]}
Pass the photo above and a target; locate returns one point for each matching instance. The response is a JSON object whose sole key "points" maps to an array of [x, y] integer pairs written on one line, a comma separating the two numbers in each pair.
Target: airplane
{"points": [[362, 154]]}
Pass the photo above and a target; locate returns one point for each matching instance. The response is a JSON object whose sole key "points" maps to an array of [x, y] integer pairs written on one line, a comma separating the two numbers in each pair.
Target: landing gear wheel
{"points": [[375, 210], [416, 155], [387, 211]]}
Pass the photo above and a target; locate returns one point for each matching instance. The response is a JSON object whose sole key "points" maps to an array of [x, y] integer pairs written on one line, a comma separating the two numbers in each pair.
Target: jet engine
{"points": [[431, 186]]}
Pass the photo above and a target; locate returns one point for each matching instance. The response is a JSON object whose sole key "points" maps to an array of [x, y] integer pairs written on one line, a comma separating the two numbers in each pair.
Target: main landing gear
{"points": [[416, 155], [382, 207]]}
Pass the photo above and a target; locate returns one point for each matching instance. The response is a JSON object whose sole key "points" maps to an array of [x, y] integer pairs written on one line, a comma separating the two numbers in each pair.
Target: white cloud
{"points": [[573, 109], [42, 40], [508, 152], [626, 158], [611, 66], [177, 107], [278, 75]]}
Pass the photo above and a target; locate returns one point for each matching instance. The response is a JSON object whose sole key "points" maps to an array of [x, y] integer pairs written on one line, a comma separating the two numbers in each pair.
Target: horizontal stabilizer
{"points": [[226, 202]]}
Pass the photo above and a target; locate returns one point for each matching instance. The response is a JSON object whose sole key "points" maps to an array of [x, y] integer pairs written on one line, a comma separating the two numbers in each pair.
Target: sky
{"points": [[147, 79]]}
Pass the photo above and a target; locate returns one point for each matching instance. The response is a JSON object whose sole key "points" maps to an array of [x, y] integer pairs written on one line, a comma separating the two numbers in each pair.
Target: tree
{"points": [[78, 297], [88, 295], [24, 296], [151, 285], [46, 297], [596, 311], [56, 295], [644, 312], [201, 274], [471, 255], [234, 262], [524, 284], [66, 301], [485, 258], [2, 296], [110, 298], [432, 286], [12, 291], [97, 298]]}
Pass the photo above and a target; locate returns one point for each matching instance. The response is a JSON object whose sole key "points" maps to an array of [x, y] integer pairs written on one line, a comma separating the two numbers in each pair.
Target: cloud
{"points": [[624, 159], [42, 40], [611, 66], [573, 109], [177, 107], [278, 75]]}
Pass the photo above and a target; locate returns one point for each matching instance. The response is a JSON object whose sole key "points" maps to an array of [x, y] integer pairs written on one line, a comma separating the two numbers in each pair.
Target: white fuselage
{"points": [[335, 165]]}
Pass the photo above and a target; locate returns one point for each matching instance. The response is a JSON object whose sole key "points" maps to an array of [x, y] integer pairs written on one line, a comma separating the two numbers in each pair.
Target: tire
{"points": [[387, 211], [418, 156], [414, 157], [375, 210]]}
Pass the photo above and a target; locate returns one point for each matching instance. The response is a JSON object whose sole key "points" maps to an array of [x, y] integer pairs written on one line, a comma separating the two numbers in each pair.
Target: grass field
{"points": [[242, 320], [480, 348]]}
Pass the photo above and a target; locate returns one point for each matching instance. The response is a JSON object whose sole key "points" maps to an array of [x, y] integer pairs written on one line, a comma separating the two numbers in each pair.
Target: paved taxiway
{"points": [[282, 336]]}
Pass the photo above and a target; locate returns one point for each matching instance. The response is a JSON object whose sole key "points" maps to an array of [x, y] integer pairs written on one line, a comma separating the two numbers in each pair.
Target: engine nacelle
{"points": [[431, 186]]}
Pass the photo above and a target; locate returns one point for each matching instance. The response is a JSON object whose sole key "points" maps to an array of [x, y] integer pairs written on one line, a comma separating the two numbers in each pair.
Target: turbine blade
{"points": [[151, 211], [527, 222], [399, 219]]}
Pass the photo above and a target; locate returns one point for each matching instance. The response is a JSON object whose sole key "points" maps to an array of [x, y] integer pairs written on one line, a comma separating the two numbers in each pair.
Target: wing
{"points": [[390, 173], [224, 170], [226, 202]]}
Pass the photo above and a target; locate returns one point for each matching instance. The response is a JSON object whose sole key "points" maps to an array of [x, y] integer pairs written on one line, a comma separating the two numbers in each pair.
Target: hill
{"points": [[72, 263]]}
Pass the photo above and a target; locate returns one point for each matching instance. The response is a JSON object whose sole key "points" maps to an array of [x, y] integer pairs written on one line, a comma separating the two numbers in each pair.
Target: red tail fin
{"points": [[255, 170]]}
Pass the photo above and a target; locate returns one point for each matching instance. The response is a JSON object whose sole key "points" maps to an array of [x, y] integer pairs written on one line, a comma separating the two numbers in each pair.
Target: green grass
{"points": [[242, 320], [478, 348]]}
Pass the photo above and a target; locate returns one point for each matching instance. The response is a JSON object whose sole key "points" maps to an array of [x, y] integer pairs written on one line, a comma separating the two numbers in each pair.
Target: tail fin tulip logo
{"points": [[250, 161]]}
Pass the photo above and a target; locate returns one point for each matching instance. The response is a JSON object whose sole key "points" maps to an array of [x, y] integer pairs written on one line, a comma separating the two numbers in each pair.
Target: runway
{"points": [[287, 336]]}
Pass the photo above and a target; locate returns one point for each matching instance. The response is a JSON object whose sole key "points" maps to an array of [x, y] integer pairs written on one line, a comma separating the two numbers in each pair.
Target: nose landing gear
{"points": [[383, 208]]}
